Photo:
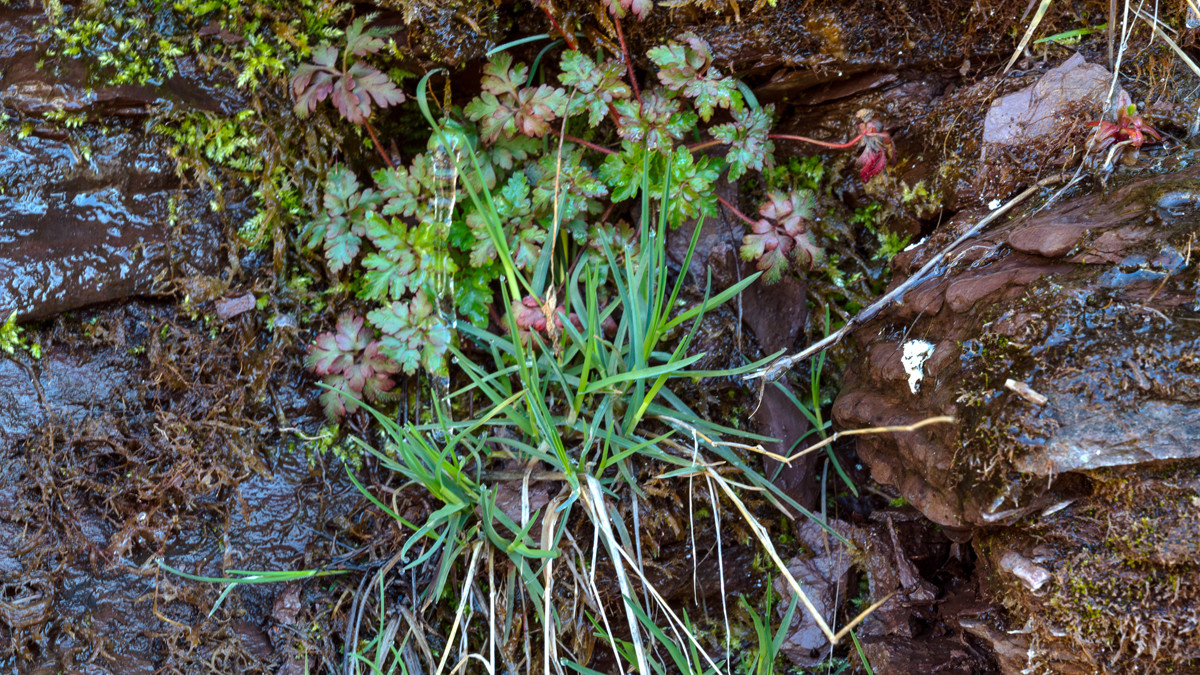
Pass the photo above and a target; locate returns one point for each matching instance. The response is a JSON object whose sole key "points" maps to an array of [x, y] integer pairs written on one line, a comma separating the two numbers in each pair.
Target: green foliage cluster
{"points": [[12, 338], [543, 185], [594, 405], [251, 47], [143, 41]]}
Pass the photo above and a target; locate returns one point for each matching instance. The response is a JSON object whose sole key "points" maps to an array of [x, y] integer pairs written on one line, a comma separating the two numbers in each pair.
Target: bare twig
{"points": [[775, 370], [944, 419]]}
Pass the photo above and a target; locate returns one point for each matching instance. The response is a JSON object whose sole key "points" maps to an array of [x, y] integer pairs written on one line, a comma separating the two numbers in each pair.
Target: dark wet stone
{"points": [[1057, 233], [716, 251], [1082, 347], [822, 576], [509, 497], [1101, 318], [85, 213], [831, 48], [777, 417], [81, 231]]}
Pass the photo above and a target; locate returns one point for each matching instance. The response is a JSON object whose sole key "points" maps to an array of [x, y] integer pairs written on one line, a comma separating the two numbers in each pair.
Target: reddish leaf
{"points": [[876, 144], [352, 364], [773, 244], [334, 352], [537, 108], [337, 401], [871, 163], [640, 8], [313, 82], [351, 90]]}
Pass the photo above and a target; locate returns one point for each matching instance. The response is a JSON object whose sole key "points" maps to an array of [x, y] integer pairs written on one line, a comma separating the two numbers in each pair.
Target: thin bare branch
{"points": [[775, 370]]}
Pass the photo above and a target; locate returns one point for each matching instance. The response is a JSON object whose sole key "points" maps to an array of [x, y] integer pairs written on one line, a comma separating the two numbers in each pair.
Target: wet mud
{"points": [[112, 461], [148, 430]]}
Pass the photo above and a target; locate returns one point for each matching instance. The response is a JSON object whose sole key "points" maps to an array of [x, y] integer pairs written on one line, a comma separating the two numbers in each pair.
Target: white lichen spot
{"points": [[994, 204], [916, 352]]}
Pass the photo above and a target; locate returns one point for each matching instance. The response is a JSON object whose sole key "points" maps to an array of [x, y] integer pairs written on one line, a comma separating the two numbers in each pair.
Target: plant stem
{"points": [[567, 37], [735, 210], [703, 145], [571, 43], [628, 59], [586, 144], [824, 144], [378, 147]]}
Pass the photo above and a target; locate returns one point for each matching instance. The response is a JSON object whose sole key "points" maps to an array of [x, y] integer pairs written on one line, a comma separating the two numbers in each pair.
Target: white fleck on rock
{"points": [[916, 352]]}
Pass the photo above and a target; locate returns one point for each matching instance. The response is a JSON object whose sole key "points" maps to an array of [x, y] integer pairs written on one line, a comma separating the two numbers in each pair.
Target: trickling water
{"points": [[445, 175]]}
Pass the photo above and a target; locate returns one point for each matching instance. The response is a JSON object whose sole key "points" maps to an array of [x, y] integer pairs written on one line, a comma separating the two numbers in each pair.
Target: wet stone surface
{"points": [[1065, 345], [108, 463], [93, 212], [77, 230]]}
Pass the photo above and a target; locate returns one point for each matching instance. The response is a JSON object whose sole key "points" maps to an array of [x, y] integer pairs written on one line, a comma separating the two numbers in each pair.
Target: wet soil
{"points": [[115, 459], [149, 429]]}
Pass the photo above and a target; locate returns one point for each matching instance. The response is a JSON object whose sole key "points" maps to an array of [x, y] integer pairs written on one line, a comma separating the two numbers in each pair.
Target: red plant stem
{"points": [[704, 145], [567, 37], [824, 144], [735, 210], [628, 59], [586, 144], [570, 40], [607, 212], [378, 146]]}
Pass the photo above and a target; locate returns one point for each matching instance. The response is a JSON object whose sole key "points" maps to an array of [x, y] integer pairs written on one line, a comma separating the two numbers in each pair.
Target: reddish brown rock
{"points": [[1090, 309]]}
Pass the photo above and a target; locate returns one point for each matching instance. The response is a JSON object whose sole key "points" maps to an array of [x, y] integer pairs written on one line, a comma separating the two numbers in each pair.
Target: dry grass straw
{"points": [[594, 502], [1156, 25], [1029, 31], [462, 604]]}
